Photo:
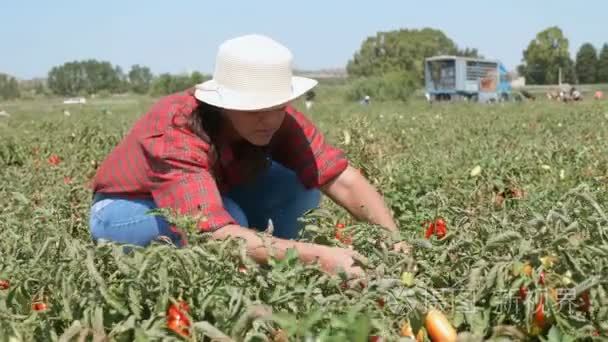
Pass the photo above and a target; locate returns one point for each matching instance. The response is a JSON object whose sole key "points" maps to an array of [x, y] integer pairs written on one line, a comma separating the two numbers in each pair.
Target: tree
{"points": [[197, 77], [140, 79], [39, 89], [602, 65], [401, 51], [122, 84], [167, 84], [86, 77], [544, 57], [9, 87], [469, 52], [586, 64]]}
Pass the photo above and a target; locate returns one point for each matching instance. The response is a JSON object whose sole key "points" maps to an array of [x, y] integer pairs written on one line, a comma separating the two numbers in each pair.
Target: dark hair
{"points": [[205, 121]]}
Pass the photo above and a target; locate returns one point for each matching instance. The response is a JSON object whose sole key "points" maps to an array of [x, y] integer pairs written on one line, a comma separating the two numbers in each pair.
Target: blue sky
{"points": [[178, 36]]}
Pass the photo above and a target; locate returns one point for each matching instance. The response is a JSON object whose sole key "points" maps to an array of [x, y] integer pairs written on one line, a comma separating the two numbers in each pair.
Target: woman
{"points": [[234, 151]]}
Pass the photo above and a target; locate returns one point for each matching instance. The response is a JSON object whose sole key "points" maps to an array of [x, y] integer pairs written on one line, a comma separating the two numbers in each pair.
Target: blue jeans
{"points": [[277, 194]]}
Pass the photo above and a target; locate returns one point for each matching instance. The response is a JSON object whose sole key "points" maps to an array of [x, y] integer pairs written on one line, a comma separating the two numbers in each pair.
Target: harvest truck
{"points": [[464, 78]]}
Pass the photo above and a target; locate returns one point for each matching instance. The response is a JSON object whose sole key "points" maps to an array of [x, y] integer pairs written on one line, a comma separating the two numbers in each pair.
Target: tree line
{"points": [[548, 53], [402, 52], [388, 65], [9, 87], [92, 77], [88, 77]]}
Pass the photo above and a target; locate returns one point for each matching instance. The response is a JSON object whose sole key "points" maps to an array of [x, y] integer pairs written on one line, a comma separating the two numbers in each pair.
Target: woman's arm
{"points": [[353, 192], [331, 259]]}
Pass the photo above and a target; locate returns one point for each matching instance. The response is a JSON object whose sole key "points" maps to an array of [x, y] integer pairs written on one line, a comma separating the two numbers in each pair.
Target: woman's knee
{"points": [[128, 221]]}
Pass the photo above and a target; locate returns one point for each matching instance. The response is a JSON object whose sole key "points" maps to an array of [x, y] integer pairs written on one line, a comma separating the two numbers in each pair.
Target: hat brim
{"points": [[210, 92]]}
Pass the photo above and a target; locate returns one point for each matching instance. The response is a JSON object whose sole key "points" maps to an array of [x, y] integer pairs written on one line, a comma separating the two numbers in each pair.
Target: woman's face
{"points": [[257, 127]]}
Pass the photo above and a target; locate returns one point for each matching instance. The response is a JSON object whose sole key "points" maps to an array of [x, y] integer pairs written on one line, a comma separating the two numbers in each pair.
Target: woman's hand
{"points": [[334, 260], [403, 247]]}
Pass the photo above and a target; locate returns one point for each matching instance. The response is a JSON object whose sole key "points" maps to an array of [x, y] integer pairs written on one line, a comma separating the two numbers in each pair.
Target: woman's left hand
{"points": [[403, 247]]}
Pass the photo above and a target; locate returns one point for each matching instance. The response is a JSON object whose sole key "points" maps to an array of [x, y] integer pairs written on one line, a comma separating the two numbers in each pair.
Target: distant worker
{"points": [[528, 95], [575, 95], [309, 98], [598, 95], [366, 100]]}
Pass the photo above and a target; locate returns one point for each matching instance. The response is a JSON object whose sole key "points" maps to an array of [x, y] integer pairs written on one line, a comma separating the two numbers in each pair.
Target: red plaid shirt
{"points": [[161, 159]]}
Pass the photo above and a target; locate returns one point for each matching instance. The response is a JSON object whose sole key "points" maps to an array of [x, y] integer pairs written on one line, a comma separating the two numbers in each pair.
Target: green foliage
{"points": [[86, 78], [197, 77], [140, 79], [602, 65], [545, 55], [586, 64], [168, 84], [402, 51], [394, 85], [389, 65], [9, 88], [419, 157]]}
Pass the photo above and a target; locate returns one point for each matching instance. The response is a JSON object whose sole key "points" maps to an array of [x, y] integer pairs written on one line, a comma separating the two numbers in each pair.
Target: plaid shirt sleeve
{"points": [[301, 147], [180, 178]]}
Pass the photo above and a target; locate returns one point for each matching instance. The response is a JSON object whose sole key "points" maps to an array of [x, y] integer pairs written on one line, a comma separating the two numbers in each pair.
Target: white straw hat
{"points": [[252, 72]]}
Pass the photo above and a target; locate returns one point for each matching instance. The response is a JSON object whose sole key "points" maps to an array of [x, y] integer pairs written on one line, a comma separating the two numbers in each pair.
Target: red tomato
{"points": [[39, 306], [179, 327], [430, 230], [523, 293], [375, 338], [54, 160], [67, 180], [539, 313], [4, 284], [342, 236], [438, 327], [541, 278], [440, 228], [380, 302], [179, 312], [586, 302], [437, 228]]}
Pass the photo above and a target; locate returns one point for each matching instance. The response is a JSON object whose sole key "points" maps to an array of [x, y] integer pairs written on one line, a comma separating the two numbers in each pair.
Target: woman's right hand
{"points": [[332, 259], [336, 259]]}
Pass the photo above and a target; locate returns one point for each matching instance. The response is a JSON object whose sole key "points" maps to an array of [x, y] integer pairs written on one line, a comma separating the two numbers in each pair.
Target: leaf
{"points": [[422, 244], [71, 332], [361, 329], [125, 326], [134, 302], [502, 239], [346, 137], [556, 335], [98, 321], [19, 197], [207, 329]]}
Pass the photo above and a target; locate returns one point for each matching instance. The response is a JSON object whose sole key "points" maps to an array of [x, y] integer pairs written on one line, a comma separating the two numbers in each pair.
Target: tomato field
{"points": [[505, 205]]}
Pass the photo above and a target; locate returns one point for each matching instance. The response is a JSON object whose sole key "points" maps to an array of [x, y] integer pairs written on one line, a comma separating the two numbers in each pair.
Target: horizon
{"points": [[130, 33]]}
